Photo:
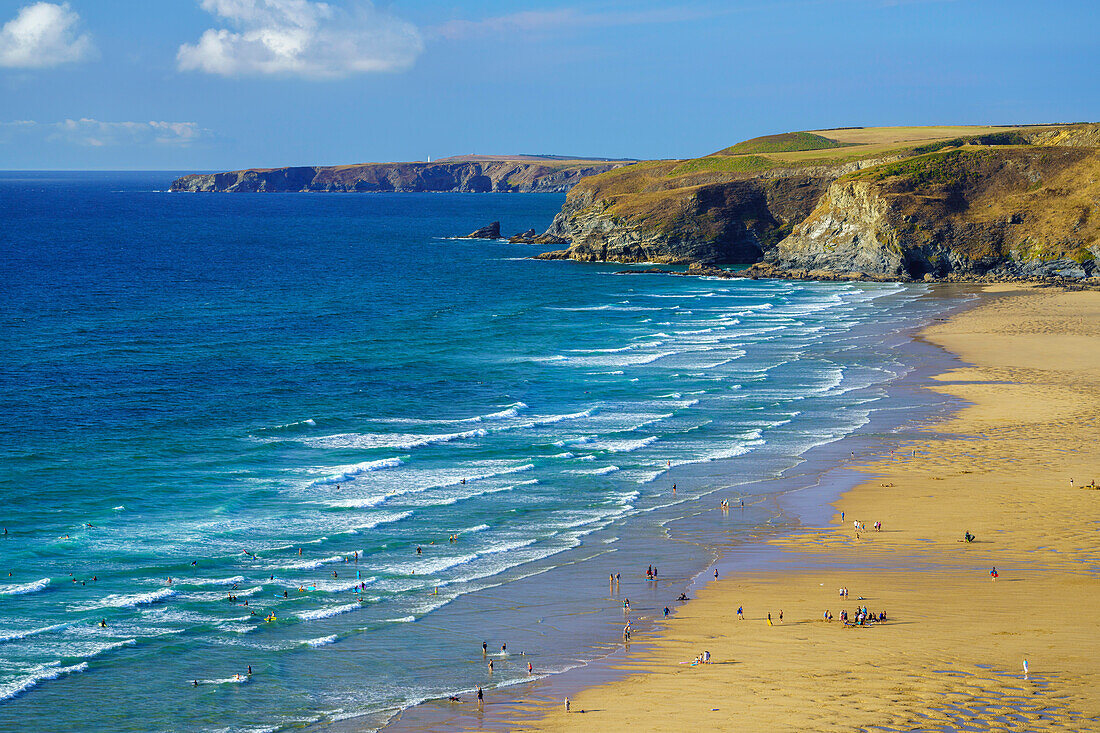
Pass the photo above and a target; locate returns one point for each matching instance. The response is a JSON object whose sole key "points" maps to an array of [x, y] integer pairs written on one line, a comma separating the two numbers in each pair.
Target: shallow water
{"points": [[280, 397]]}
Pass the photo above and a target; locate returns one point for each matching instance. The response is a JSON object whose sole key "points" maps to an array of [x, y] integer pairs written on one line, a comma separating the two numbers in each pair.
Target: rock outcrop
{"points": [[522, 174], [1024, 212], [491, 231]]}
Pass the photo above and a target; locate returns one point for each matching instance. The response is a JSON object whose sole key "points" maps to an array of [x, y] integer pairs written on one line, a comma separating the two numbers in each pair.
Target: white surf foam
{"points": [[328, 612], [625, 445], [215, 581], [41, 673], [16, 635], [119, 600], [322, 641], [595, 471], [345, 474], [24, 588]]}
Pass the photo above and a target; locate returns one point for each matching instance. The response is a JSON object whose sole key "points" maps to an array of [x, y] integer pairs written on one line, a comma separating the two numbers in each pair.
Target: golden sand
{"points": [[951, 655]]}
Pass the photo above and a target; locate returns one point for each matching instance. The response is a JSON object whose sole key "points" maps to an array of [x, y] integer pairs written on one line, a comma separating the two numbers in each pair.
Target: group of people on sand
{"points": [[702, 658], [862, 617]]}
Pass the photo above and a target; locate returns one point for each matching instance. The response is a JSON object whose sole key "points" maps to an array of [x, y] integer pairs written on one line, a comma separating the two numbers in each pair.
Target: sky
{"points": [[205, 85]]}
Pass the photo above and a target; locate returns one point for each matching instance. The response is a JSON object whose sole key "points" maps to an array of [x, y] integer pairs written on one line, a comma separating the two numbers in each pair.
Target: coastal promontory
{"points": [[460, 174], [1011, 202]]}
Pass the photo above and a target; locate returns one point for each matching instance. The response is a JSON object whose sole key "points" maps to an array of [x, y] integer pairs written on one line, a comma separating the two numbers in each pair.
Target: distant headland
{"points": [[459, 174]]}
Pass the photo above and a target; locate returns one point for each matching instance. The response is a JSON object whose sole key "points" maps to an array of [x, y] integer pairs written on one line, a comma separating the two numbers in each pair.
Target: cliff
{"points": [[1025, 212], [469, 174], [878, 203]]}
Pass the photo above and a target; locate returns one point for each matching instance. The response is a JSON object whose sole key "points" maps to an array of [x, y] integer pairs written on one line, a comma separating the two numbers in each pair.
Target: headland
{"points": [[457, 174], [898, 203]]}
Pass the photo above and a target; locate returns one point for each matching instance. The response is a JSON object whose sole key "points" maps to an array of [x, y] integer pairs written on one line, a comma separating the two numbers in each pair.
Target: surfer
{"points": [[103, 623], [419, 551]]}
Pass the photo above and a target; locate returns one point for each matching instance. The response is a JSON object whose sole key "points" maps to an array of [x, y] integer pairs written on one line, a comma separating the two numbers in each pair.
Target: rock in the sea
{"points": [[487, 232]]}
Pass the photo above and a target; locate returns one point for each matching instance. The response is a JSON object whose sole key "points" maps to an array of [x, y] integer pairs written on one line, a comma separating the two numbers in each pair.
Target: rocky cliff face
{"points": [[518, 176], [1016, 212], [713, 223], [1005, 203]]}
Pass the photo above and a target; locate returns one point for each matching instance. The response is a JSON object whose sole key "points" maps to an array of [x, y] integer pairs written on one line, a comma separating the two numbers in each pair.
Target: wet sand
{"points": [[951, 655]]}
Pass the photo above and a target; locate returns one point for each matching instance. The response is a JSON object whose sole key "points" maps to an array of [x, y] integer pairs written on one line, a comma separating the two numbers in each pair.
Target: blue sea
{"points": [[223, 409]]}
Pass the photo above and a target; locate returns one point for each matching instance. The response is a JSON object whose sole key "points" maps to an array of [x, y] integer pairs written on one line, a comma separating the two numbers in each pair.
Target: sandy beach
{"points": [[1013, 468]]}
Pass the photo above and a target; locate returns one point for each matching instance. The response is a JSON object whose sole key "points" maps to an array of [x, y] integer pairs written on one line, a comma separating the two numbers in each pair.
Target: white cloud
{"points": [[545, 21], [43, 35], [302, 38], [94, 133]]}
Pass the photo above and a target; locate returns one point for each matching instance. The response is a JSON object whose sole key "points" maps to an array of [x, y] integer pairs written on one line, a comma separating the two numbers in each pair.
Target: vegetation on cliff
{"points": [[787, 142]]}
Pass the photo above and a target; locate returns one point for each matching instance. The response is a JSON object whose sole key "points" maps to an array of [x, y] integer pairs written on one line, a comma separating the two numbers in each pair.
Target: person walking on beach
{"points": [[741, 612], [993, 574], [780, 615], [480, 699], [716, 573], [769, 619]]}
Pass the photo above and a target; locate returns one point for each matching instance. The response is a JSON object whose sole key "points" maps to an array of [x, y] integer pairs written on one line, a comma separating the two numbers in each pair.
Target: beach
{"points": [[1012, 468]]}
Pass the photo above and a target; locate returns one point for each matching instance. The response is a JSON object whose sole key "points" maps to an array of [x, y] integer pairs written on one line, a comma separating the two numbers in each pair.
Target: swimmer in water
{"points": [[484, 648]]}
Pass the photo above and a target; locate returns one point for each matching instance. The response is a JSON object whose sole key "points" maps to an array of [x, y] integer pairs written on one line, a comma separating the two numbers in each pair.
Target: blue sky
{"points": [[220, 84]]}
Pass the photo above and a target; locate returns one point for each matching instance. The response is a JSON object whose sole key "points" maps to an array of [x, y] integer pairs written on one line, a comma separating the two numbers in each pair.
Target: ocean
{"points": [[317, 436]]}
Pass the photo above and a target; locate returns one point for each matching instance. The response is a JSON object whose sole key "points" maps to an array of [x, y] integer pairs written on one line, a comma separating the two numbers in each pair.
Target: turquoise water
{"points": [[280, 397]]}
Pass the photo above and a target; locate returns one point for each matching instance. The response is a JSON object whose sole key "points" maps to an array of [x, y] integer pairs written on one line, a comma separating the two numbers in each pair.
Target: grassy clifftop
{"points": [[787, 142]]}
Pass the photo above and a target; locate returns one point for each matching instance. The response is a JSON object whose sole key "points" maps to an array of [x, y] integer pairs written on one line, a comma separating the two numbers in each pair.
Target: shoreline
{"points": [[799, 496], [952, 652]]}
